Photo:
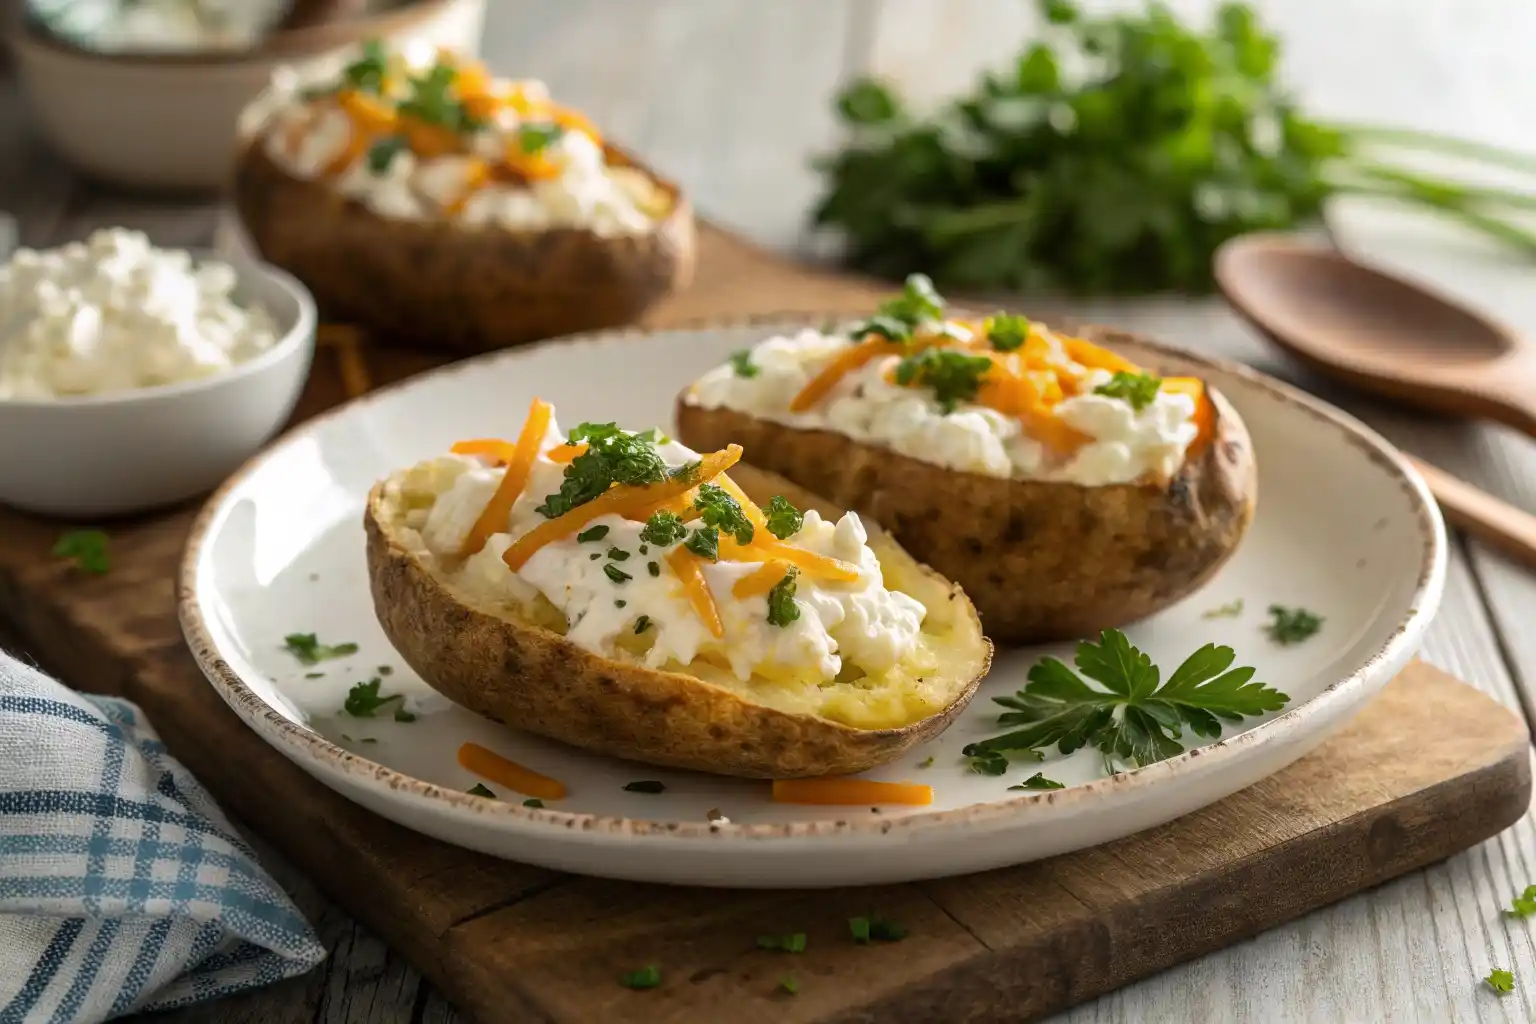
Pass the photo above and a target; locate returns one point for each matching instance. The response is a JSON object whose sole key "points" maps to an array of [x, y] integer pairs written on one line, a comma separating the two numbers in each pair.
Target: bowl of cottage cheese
{"points": [[148, 374]]}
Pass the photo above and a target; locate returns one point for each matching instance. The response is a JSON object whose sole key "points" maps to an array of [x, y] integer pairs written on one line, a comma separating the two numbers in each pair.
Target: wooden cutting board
{"points": [[1429, 768]]}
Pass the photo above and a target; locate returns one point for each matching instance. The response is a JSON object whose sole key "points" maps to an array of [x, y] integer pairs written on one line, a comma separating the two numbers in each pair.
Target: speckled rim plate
{"points": [[453, 815]]}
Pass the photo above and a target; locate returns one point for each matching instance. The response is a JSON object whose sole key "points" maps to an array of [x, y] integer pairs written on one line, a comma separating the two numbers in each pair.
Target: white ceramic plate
{"points": [[1344, 527]]}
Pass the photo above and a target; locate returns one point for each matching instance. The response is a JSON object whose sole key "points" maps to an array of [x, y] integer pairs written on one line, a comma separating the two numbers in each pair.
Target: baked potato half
{"points": [[1043, 559], [396, 234], [526, 674]]}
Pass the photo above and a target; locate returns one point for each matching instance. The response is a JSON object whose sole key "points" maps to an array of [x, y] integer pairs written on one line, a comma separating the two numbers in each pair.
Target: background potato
{"points": [[437, 283], [1042, 561], [531, 678]]}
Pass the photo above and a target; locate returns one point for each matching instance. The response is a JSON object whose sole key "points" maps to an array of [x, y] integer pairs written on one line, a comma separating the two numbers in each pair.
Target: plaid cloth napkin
{"points": [[122, 886]]}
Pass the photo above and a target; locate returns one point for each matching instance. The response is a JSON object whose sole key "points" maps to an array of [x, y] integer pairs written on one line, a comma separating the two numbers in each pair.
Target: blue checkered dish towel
{"points": [[122, 886]]}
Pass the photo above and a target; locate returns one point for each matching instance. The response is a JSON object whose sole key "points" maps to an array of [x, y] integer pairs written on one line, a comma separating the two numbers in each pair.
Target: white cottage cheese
{"points": [[114, 313]]}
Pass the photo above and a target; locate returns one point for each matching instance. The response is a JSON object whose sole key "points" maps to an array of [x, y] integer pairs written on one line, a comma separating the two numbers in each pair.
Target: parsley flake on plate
{"points": [[648, 976], [1230, 610], [310, 651], [1501, 981], [533, 802], [782, 607], [663, 528], [645, 786], [1291, 625], [1523, 905], [789, 984], [784, 520], [86, 548], [865, 929], [718, 509], [365, 701], [926, 762], [742, 364], [1128, 717], [951, 375], [480, 789], [1038, 781], [1138, 390]]}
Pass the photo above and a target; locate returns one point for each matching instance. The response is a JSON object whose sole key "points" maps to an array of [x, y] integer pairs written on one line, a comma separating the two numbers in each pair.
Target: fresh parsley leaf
{"points": [[1007, 332], [663, 528], [648, 976], [613, 456], [784, 520], [886, 931], [87, 548], [782, 606], [434, 101], [535, 138], [385, 670], [616, 574], [382, 153], [597, 532], [794, 943], [1136, 389], [1523, 905], [704, 542], [310, 651], [654, 435], [645, 786], [1231, 610], [653, 568], [858, 927], [789, 984], [1291, 625], [366, 74], [887, 327], [533, 802], [642, 624], [718, 509], [742, 364], [480, 789], [1038, 781], [953, 376], [917, 304], [618, 554], [1501, 981], [1130, 720], [364, 701]]}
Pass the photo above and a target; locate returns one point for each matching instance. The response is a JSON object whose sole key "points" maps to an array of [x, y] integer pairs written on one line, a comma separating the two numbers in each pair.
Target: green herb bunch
{"points": [[1114, 157]]}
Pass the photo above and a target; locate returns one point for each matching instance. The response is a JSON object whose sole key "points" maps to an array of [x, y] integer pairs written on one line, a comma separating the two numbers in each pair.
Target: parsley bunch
{"points": [[613, 456], [1131, 720], [1114, 156]]}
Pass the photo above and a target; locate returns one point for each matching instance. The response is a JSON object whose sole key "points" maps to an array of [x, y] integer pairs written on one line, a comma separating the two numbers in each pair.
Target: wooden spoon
{"points": [[1384, 335]]}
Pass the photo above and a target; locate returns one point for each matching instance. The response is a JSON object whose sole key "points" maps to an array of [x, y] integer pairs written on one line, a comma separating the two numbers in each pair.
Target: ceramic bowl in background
{"points": [[131, 451], [168, 122]]}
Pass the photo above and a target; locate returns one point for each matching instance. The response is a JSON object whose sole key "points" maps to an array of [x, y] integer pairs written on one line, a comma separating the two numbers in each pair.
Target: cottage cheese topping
{"points": [[1125, 444], [114, 314], [860, 621], [127, 26]]}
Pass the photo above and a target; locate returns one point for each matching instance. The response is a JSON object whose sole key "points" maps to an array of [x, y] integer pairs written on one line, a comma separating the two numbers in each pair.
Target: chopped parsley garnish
{"points": [[648, 976], [663, 528], [642, 624], [382, 153], [309, 650], [480, 789], [926, 762], [1231, 610], [88, 549], [1038, 781], [618, 554], [645, 786], [990, 763], [886, 327], [314, 675], [704, 542], [534, 138], [917, 304], [533, 802], [786, 943], [1007, 332], [366, 74], [863, 929], [594, 556], [718, 509], [1137, 389], [653, 568], [616, 574], [1523, 905], [688, 473], [1131, 720], [784, 520], [620, 603], [742, 363], [612, 457], [385, 670], [789, 984], [365, 701], [782, 607], [432, 100], [597, 532], [1291, 625], [953, 376], [1500, 980]]}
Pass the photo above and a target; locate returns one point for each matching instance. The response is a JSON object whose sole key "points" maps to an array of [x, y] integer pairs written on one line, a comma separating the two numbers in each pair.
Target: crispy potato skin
{"points": [[530, 678], [438, 284], [1042, 561]]}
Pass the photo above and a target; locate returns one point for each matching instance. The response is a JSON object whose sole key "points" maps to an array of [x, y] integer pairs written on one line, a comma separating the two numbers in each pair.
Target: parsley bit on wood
{"points": [[1501, 981], [874, 928], [309, 650], [646, 977], [480, 789], [1291, 625], [1523, 905], [1131, 720], [789, 984], [645, 786], [1230, 610], [87, 549], [742, 364], [1038, 781], [794, 943]]}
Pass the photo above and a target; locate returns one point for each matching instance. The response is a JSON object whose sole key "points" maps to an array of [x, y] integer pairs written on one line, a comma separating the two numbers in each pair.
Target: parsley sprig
{"points": [[366, 74], [1291, 625], [952, 375], [613, 456], [663, 528], [718, 509], [1523, 905], [310, 651], [434, 101], [1501, 981], [365, 701], [1131, 719], [1138, 390], [782, 607], [784, 520]]}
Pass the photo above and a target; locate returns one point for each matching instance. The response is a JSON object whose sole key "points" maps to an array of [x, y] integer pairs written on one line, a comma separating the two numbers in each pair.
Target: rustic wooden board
{"points": [[1430, 768]]}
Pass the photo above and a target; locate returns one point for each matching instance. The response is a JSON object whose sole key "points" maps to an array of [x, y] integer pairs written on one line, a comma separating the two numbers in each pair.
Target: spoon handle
{"points": [[1498, 523]]}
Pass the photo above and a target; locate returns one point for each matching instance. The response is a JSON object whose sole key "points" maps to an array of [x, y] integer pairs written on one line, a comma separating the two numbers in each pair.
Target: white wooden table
{"points": [[732, 98]]}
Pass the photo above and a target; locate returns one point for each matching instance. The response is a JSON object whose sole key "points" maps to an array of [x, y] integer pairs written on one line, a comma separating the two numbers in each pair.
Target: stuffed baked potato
{"points": [[626, 595], [1065, 488], [431, 203]]}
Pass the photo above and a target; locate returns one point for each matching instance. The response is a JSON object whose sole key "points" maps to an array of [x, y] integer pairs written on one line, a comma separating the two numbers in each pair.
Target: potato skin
{"points": [[1042, 561], [531, 678], [439, 284]]}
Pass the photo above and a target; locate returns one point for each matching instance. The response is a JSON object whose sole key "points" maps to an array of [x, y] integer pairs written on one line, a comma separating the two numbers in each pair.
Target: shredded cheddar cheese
{"points": [[499, 508]]}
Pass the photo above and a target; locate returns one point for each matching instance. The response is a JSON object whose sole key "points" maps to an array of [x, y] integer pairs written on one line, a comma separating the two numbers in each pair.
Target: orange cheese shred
{"points": [[846, 361], [762, 580], [621, 500], [686, 564], [564, 454], [490, 447], [812, 564], [1095, 358], [493, 518], [490, 765], [829, 791]]}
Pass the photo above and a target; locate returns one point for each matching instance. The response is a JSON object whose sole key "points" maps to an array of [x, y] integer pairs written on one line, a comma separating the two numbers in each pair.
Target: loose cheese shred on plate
{"points": [[490, 765], [838, 791]]}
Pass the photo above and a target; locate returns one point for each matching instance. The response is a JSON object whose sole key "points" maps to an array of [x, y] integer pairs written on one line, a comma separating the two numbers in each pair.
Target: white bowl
{"points": [[130, 451], [169, 121]]}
